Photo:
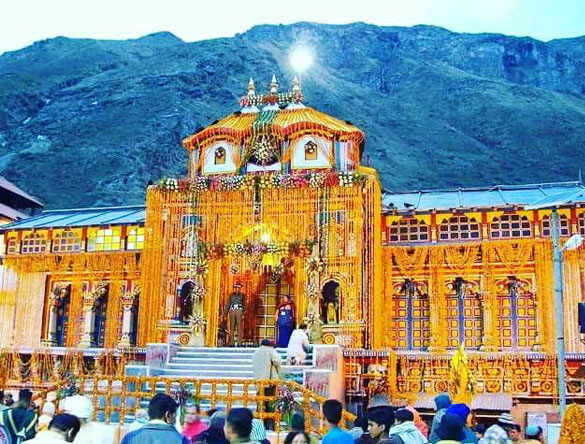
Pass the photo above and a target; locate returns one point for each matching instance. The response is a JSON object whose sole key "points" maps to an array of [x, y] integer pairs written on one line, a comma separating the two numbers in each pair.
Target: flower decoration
{"points": [[198, 291], [311, 290], [315, 265], [169, 184], [234, 269], [201, 268], [197, 322]]}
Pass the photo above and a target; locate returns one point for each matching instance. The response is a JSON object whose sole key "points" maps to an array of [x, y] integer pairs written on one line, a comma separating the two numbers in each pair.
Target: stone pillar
{"points": [[127, 318], [88, 321], [53, 309], [487, 323]]}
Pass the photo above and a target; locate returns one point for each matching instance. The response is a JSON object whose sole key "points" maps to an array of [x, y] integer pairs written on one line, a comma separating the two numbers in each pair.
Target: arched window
{"points": [[219, 155], [104, 239], [460, 228], [66, 242], [409, 230], [545, 224], [310, 150], [581, 221], [411, 316], [135, 239], [510, 226], [34, 243], [516, 315], [12, 246]]}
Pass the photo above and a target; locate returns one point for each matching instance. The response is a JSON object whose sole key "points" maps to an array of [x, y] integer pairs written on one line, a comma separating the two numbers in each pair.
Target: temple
{"points": [[277, 201]]}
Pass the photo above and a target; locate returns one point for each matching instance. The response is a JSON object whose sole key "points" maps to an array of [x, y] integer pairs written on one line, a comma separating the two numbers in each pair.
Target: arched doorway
{"points": [[330, 303], [186, 301]]}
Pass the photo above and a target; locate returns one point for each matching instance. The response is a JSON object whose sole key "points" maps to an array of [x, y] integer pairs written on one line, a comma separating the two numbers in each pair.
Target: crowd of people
{"points": [[384, 424], [381, 423]]}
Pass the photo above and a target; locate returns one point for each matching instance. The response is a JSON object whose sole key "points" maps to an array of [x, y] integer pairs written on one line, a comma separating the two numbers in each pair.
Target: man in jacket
{"points": [[405, 428], [266, 365], [20, 421], [442, 401], [162, 411]]}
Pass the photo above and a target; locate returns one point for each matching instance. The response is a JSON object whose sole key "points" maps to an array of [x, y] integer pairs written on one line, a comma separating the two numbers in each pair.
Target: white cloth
{"points": [[297, 344], [47, 437], [408, 433]]}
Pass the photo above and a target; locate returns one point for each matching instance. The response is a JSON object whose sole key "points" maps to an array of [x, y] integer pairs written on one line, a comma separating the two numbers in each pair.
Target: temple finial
{"points": [[296, 89], [251, 88], [273, 85]]}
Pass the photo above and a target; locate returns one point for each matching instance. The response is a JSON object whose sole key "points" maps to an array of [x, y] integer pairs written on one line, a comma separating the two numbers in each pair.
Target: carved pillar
{"points": [[88, 321], [127, 318], [54, 302], [487, 323]]}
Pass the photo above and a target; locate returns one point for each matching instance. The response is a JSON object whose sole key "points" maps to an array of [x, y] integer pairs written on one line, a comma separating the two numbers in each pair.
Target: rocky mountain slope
{"points": [[88, 122]]}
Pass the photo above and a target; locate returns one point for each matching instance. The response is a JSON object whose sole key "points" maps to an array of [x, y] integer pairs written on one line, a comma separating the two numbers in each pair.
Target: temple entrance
{"points": [[62, 315], [99, 320], [267, 301]]}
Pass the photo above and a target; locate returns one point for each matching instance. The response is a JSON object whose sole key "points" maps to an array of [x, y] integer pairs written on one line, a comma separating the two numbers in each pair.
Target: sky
{"points": [[22, 22]]}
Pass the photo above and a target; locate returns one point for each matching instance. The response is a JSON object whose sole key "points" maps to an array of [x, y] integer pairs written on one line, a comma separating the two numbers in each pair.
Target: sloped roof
{"points": [[500, 196], [84, 217], [285, 122], [9, 186], [11, 213]]}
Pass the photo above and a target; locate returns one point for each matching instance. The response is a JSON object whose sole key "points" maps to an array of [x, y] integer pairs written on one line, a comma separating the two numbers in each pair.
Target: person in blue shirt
{"points": [[332, 412], [162, 411]]}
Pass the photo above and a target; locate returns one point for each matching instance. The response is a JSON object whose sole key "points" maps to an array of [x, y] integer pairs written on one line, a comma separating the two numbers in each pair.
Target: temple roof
{"points": [[282, 123], [21, 195], [83, 217], [500, 196]]}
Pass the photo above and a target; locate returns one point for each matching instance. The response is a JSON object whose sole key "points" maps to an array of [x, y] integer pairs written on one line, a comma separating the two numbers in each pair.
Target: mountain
{"points": [[90, 122]]}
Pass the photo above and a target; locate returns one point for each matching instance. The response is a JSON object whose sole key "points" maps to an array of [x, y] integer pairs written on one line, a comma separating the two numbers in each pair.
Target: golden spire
{"points": [[296, 89], [251, 88], [273, 85]]}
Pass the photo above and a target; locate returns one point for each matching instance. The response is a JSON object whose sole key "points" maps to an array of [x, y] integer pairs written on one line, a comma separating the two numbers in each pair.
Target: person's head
{"points": [[442, 401], [65, 425], [479, 430], [460, 410], [238, 424], [48, 409], [515, 432], [79, 406], [192, 413], [380, 419], [8, 400], [297, 438], [237, 287], [297, 422], [533, 432], [25, 397], [141, 415], [267, 343], [217, 421], [162, 407], [505, 421], [303, 326], [361, 422], [332, 409], [451, 427], [403, 415]]}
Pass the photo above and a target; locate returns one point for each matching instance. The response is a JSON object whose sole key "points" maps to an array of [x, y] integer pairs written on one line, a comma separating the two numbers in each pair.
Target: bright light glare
{"points": [[301, 58], [265, 237]]}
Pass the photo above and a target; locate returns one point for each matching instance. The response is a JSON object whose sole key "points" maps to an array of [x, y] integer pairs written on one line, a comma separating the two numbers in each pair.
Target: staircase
{"points": [[225, 363]]}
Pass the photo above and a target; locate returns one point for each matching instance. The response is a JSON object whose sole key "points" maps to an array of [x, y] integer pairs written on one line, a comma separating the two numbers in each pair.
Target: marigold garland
{"points": [[573, 427]]}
